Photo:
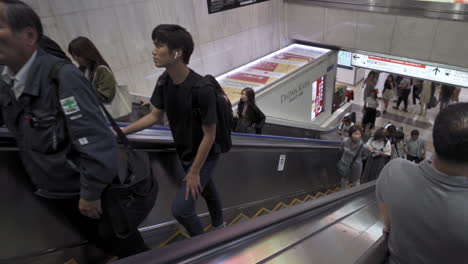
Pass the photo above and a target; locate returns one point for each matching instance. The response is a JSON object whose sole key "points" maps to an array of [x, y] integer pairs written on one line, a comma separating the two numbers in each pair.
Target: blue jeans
{"points": [[184, 210]]}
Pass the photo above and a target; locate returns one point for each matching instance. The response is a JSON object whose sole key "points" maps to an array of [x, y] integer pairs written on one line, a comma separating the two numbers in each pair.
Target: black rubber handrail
{"points": [[197, 245]]}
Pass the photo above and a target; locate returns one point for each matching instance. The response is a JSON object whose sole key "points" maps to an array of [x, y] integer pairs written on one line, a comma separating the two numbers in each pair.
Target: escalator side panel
{"points": [[242, 176]]}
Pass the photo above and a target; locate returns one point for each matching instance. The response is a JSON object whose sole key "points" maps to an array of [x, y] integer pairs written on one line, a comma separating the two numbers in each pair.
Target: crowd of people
{"points": [[398, 89], [419, 198], [362, 161], [81, 151]]}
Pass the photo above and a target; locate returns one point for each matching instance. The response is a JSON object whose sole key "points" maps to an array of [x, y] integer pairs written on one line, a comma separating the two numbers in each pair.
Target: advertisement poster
{"points": [[215, 6], [317, 98], [268, 69]]}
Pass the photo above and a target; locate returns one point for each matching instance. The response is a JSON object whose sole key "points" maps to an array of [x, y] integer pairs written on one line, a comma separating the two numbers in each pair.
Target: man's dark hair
{"points": [[415, 132], [354, 129], [450, 133], [175, 37], [379, 134], [18, 16]]}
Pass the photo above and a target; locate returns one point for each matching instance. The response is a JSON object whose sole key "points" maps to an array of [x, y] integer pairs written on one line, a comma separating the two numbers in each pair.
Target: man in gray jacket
{"points": [[66, 147]]}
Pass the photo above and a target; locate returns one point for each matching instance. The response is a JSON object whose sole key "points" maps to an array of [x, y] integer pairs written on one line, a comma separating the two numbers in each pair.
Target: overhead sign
{"points": [[344, 59], [421, 71], [221, 5], [268, 69]]}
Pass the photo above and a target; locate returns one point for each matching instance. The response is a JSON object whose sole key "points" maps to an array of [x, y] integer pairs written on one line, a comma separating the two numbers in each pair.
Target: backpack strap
{"points": [[357, 154], [54, 79]]}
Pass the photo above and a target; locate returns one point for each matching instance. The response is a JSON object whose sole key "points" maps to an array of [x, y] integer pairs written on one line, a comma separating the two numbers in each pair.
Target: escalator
{"points": [[38, 234], [340, 228]]}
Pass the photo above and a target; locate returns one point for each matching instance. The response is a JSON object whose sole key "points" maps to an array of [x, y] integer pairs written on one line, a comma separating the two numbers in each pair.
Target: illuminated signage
{"points": [[269, 69], [421, 71], [317, 98], [344, 59]]}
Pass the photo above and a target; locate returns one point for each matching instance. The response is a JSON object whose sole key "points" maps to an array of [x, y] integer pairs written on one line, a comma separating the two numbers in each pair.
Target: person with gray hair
{"points": [[423, 206], [67, 149]]}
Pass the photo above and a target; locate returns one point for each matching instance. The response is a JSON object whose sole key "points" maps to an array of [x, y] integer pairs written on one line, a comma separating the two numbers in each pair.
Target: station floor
{"points": [[408, 120]]}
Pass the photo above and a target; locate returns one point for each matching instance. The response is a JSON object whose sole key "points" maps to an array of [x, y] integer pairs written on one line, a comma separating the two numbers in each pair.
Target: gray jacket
{"points": [[63, 140]]}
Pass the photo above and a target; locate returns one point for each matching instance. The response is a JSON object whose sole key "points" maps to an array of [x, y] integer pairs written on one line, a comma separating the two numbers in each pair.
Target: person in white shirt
{"points": [[380, 152]]}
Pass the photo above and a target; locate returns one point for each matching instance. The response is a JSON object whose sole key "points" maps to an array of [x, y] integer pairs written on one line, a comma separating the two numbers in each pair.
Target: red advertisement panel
{"points": [[265, 66], [317, 98], [241, 76]]}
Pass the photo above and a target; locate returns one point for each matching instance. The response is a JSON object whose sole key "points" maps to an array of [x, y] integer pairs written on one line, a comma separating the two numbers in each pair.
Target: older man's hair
{"points": [[18, 16], [450, 133]]}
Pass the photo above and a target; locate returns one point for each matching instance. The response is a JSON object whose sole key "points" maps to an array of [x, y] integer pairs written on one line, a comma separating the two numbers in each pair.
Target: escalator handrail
{"points": [[121, 124], [196, 245]]}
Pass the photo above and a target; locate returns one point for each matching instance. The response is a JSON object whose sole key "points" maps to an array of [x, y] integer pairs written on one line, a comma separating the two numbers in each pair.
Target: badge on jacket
{"points": [[69, 105]]}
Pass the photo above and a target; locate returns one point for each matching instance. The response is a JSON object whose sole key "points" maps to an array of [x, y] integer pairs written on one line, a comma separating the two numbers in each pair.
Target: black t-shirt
{"points": [[185, 121]]}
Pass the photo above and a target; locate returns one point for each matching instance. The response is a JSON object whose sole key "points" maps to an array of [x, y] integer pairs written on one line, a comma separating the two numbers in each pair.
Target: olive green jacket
{"points": [[105, 84]]}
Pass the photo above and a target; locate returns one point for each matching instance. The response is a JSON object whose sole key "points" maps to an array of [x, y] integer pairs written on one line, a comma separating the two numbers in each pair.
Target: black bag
{"points": [[378, 113], [225, 118], [130, 198], [132, 195], [432, 103]]}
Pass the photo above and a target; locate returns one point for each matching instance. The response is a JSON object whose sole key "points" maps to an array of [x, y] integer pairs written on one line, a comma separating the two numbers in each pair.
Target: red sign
{"points": [[241, 76], [317, 97], [265, 66], [398, 62], [287, 56]]}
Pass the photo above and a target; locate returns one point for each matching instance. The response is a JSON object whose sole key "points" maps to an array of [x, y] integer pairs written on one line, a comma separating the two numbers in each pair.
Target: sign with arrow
{"points": [[411, 69]]}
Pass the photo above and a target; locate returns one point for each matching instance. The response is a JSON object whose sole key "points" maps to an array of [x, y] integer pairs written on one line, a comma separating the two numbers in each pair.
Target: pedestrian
{"points": [[388, 91], [354, 151], [345, 125], [370, 114], [404, 92], [425, 97], [415, 147], [369, 85], [67, 149], [445, 95], [95, 68], [250, 118], [193, 130], [380, 152]]}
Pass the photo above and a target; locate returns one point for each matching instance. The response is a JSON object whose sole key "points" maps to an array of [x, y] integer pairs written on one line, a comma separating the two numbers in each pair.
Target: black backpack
{"points": [[224, 114]]}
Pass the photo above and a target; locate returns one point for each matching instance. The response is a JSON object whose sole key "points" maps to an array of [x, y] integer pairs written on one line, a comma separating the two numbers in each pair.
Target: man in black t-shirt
{"points": [[193, 129]]}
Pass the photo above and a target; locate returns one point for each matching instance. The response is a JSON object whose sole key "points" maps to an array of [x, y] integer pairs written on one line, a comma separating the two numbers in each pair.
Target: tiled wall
{"points": [[425, 39], [121, 29]]}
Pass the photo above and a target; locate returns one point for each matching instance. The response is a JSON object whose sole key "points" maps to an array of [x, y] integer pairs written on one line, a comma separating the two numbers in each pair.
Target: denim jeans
{"points": [[184, 210]]}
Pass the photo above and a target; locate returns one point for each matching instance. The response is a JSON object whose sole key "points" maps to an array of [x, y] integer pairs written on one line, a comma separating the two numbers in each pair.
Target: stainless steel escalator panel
{"points": [[310, 237], [340, 243]]}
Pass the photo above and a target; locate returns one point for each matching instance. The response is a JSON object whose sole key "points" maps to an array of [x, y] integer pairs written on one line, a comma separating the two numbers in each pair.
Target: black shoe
{"points": [[384, 112]]}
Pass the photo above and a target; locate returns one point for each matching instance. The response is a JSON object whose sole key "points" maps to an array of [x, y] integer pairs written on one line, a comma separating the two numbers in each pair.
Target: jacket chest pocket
{"points": [[44, 134]]}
